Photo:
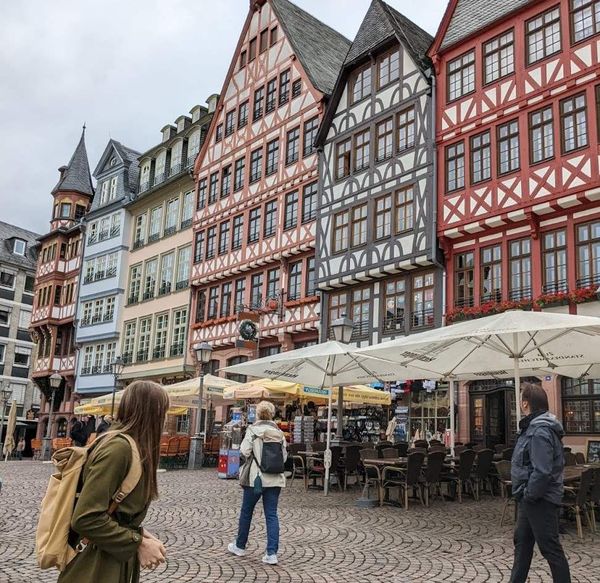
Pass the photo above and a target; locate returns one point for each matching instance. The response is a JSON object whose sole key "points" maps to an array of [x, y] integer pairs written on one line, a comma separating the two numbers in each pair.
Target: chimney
{"points": [[212, 102]]}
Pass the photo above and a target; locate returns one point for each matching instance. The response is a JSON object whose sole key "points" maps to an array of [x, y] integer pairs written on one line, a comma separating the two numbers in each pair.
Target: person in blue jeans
{"points": [[264, 430]]}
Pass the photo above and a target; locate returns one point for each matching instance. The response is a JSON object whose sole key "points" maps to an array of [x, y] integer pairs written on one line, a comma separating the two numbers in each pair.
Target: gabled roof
{"points": [[7, 235], [381, 23], [128, 156], [321, 49], [464, 18], [76, 175]]}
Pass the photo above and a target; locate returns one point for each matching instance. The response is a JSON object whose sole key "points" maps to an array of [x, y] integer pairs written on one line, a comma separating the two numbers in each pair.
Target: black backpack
{"points": [[272, 458]]}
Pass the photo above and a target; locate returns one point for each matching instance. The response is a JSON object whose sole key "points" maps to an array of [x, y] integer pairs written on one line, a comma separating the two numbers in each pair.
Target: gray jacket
{"points": [[256, 435], [538, 461]]}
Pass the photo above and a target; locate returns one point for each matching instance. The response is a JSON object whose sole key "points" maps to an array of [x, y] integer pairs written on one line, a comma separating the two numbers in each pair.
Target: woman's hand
{"points": [[151, 553]]}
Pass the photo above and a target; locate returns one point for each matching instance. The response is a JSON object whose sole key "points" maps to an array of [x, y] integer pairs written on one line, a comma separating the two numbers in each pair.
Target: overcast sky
{"points": [[124, 67]]}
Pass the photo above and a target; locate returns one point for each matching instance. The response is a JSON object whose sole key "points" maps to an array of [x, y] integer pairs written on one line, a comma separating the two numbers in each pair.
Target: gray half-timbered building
{"points": [[377, 254]]}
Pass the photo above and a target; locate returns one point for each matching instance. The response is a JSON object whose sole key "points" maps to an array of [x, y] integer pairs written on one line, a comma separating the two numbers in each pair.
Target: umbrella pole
{"points": [[328, 449], [452, 423], [517, 379]]}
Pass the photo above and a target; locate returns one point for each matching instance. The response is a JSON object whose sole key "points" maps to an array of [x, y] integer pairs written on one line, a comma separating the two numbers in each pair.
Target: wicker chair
{"points": [[431, 480], [36, 447], [481, 471], [579, 458], [183, 451], [577, 500], [371, 473], [570, 459], [504, 479], [389, 453], [394, 477], [460, 477], [349, 466]]}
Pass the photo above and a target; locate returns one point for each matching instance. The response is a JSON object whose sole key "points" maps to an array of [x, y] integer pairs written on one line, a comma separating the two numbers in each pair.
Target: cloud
{"points": [[125, 68]]}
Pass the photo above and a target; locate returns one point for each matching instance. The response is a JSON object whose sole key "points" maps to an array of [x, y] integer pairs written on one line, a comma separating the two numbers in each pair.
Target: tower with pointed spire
{"points": [[56, 285]]}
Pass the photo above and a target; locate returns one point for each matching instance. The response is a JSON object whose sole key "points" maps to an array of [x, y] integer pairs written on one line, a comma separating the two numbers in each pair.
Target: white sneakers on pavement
{"points": [[234, 549], [270, 559]]}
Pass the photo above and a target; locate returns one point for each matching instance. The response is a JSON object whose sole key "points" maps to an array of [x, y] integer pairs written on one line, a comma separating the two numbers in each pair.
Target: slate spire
{"points": [[75, 176]]}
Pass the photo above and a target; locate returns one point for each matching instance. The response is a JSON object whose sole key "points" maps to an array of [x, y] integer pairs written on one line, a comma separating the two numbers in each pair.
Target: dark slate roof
{"points": [[77, 175], [383, 22], [131, 158], [321, 49], [10, 232], [473, 15]]}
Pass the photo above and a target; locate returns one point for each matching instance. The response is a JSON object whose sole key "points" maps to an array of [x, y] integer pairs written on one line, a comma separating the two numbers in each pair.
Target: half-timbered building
{"points": [[378, 256], [56, 290], [257, 180], [518, 215]]}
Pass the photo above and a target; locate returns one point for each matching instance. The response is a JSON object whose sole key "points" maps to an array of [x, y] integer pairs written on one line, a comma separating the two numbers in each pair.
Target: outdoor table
{"points": [[573, 473]]}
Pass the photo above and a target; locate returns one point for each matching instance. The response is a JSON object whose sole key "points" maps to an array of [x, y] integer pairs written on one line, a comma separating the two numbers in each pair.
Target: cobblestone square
{"points": [[322, 539]]}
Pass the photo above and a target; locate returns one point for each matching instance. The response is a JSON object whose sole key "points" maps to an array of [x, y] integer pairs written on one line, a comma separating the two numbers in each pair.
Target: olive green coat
{"points": [[111, 555]]}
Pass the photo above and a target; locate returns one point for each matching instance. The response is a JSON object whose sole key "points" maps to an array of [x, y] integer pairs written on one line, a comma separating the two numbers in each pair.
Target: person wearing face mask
{"points": [[537, 485]]}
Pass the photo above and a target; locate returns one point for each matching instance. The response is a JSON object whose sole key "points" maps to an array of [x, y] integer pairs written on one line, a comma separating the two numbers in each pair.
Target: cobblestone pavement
{"points": [[323, 540]]}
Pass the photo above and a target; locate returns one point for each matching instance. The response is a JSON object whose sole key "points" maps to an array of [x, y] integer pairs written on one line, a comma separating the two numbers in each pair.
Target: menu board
{"points": [[593, 451]]}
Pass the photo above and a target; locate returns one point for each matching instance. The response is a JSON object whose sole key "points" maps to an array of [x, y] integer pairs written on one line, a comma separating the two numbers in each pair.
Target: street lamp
{"points": [[117, 366], [55, 381], [5, 394], [342, 332], [203, 350]]}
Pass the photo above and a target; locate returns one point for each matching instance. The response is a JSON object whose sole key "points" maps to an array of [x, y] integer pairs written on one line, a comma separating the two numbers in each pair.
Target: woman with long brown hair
{"points": [[113, 545]]}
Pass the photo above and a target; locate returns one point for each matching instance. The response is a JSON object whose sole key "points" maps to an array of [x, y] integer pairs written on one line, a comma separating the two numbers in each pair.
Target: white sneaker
{"points": [[270, 559], [234, 549]]}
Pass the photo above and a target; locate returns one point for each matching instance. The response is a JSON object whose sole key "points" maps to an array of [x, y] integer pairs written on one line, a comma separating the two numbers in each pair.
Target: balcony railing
{"points": [[142, 355], [423, 318], [393, 324], [494, 296], [108, 317], [159, 178], [88, 278], [164, 289], [170, 231], [115, 231], [177, 349], [175, 169], [99, 275], [186, 223], [138, 243], [127, 357], [144, 186], [464, 302], [588, 281], [556, 287], [159, 352], [133, 299], [518, 294], [103, 235], [148, 295], [191, 159], [153, 237], [182, 285], [361, 329]]}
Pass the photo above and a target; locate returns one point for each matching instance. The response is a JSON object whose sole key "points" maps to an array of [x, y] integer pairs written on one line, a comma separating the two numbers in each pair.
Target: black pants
{"points": [[537, 522]]}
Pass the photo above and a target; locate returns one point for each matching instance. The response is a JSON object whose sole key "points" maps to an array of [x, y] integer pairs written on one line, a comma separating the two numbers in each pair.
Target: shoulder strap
{"points": [[133, 475]]}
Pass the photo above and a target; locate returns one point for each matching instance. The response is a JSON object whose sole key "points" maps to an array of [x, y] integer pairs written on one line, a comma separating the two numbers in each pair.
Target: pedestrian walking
{"points": [[115, 545], [79, 431], [20, 448], [537, 485], [104, 424], [265, 450]]}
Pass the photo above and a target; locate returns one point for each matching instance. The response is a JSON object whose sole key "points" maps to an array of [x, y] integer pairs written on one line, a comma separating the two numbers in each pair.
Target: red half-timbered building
{"points": [[56, 289], [518, 90], [257, 179]]}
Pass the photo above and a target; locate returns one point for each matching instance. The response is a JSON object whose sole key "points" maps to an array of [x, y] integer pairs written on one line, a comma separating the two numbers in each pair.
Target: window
{"points": [[243, 114], [199, 247], [481, 158], [155, 224], [213, 302], [395, 302], [296, 87], [291, 210], [259, 95], [343, 156], [128, 342], [388, 67], [172, 216], [264, 40], [361, 84], [22, 356], [238, 229], [2, 353], [573, 123], [19, 247], [543, 35], [229, 122], [508, 147], [167, 264], [274, 35], [29, 284], [464, 278], [243, 59], [422, 300], [337, 306], [219, 133], [284, 87], [491, 274], [383, 217], [7, 279], [104, 192], [455, 167], [240, 168], [201, 193], [341, 233], [358, 233], [240, 294], [113, 187], [271, 96], [254, 225], [144, 339], [310, 277], [150, 279], [256, 290], [404, 210], [179, 332], [255, 165], [588, 254], [211, 239], [311, 127], [183, 268], [213, 189], [360, 312], [461, 76], [270, 218], [187, 212], [223, 237], [499, 56], [272, 157], [5, 312], [581, 405], [238, 378], [252, 50], [226, 181], [585, 19], [555, 262], [200, 306], [520, 269], [160, 339], [273, 283], [385, 139], [135, 281], [65, 210], [57, 295], [362, 143], [541, 135], [293, 146], [309, 202], [225, 299], [79, 211]]}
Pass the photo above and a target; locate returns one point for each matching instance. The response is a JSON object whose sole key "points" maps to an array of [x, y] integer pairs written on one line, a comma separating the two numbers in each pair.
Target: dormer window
{"points": [[19, 247]]}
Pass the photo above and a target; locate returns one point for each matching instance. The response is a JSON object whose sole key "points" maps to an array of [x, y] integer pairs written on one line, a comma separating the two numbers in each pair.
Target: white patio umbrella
{"points": [[11, 426]]}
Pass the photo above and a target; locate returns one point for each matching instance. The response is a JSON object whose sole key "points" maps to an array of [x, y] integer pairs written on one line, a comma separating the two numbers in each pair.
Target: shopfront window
{"points": [[430, 412], [581, 405]]}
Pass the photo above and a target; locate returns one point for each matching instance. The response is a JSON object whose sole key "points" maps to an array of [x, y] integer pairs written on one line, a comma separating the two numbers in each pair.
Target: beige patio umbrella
{"points": [[11, 426]]}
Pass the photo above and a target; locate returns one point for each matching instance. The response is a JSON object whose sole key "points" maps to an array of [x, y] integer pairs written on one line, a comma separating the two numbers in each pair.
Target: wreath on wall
{"points": [[248, 330]]}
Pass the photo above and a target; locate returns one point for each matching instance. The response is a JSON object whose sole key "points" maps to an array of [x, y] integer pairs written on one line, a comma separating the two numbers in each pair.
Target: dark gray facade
{"points": [[377, 253]]}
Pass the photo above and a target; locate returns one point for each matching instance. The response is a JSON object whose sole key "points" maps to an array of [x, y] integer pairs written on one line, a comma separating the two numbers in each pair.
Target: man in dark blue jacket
{"points": [[537, 485]]}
